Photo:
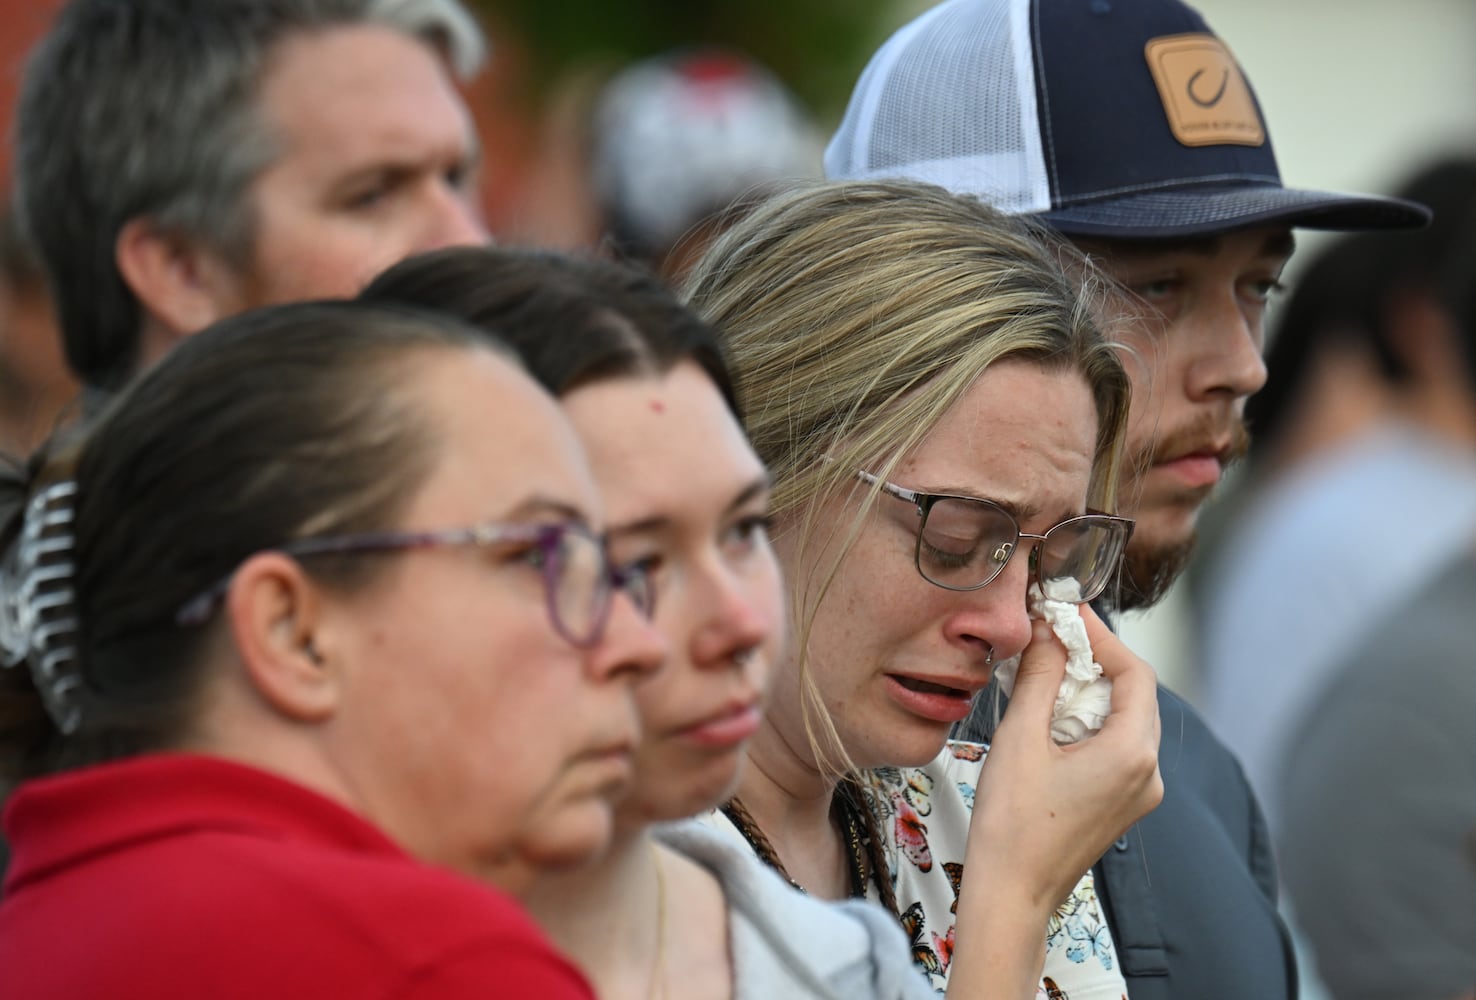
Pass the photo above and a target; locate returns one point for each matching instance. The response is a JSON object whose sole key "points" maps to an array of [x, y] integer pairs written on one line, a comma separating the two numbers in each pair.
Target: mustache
{"points": [[1196, 436]]}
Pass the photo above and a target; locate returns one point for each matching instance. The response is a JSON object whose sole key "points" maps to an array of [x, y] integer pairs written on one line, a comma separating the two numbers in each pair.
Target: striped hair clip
{"points": [[38, 613]]}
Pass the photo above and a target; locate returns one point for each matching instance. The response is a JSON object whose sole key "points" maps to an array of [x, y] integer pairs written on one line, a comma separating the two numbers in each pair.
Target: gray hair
{"points": [[133, 108]]}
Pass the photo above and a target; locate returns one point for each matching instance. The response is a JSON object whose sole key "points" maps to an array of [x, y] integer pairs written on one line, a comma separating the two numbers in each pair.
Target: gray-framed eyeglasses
{"points": [[964, 543], [578, 577]]}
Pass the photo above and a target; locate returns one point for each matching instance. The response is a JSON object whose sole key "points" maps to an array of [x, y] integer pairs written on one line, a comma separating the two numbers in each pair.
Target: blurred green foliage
{"points": [[818, 47]]}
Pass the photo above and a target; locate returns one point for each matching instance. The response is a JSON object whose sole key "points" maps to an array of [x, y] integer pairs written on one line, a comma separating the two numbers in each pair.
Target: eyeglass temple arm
{"points": [[911, 496]]}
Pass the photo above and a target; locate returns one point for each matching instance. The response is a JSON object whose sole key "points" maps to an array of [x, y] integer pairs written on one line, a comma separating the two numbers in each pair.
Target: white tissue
{"points": [[1085, 697]]}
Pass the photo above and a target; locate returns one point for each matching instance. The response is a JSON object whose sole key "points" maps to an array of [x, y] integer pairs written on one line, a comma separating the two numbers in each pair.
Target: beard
{"points": [[1146, 575], [1149, 569]]}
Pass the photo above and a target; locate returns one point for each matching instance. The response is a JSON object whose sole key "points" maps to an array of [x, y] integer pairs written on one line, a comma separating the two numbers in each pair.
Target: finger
{"points": [[1042, 668], [1134, 689], [1108, 650]]}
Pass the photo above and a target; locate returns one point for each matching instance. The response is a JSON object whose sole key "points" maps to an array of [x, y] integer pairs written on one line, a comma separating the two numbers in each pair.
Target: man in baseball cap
{"points": [[1128, 127]]}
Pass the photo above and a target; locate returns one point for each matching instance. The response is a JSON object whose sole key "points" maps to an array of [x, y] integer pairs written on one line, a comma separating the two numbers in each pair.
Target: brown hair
{"points": [[572, 320], [270, 426]]}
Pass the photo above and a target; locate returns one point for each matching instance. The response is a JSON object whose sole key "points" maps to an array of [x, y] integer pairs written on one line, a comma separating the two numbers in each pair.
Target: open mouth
{"points": [[928, 687], [930, 699]]}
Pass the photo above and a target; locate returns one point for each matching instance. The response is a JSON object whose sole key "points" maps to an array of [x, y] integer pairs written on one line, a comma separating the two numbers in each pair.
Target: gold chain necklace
{"points": [[658, 967]]}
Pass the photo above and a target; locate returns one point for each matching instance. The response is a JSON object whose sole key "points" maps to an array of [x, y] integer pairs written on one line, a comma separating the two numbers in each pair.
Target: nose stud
{"points": [[989, 659]]}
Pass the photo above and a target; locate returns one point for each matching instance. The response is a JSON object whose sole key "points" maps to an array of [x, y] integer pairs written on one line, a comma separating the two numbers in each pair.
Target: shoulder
{"points": [[787, 943], [1385, 772], [1206, 793], [924, 815], [478, 969], [1396, 713], [1392, 726], [1189, 750], [958, 764], [414, 916], [942, 789], [394, 912], [440, 934], [236, 918]]}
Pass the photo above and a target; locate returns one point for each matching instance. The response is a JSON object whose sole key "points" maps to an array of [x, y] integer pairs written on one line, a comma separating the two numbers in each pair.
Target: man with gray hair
{"points": [[181, 160]]}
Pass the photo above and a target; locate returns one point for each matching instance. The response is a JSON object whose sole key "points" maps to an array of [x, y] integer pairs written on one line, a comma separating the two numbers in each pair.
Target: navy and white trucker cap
{"points": [[1125, 119]]}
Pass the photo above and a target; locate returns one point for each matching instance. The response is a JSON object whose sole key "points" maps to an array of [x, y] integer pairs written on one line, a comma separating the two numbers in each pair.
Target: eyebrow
{"points": [[542, 506], [1020, 511], [650, 525], [397, 168], [760, 485], [1279, 244]]}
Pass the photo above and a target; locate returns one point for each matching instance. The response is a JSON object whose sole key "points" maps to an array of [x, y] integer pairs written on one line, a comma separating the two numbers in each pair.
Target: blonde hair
{"points": [[857, 314]]}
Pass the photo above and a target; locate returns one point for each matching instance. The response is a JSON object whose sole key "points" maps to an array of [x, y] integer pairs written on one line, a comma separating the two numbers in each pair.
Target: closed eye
{"points": [[949, 556], [373, 190]]}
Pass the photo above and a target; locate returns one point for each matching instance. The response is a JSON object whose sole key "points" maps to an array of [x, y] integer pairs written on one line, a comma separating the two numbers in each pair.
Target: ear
{"points": [[274, 609], [182, 286]]}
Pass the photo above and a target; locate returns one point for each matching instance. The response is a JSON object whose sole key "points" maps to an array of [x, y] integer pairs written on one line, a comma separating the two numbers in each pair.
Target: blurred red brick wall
{"points": [[21, 23]]}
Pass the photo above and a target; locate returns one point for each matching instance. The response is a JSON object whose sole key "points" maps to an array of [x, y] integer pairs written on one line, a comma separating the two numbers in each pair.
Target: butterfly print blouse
{"points": [[924, 814]]}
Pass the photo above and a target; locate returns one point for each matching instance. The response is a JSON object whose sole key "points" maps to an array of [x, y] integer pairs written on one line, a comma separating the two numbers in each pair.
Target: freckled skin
{"points": [[879, 617]]}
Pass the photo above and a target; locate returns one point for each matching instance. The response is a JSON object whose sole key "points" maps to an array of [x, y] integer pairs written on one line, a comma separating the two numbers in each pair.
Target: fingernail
{"points": [[1040, 631]]}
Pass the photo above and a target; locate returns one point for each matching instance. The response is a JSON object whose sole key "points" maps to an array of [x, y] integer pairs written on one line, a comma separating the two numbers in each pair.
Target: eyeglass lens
{"points": [[635, 581], [578, 581], [964, 544]]}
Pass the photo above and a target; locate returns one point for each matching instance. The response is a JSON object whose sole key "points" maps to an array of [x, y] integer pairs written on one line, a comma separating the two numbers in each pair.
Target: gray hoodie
{"points": [[787, 944]]}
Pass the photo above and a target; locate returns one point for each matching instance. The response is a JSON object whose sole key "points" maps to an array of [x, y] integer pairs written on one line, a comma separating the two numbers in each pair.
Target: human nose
{"points": [[453, 218], [995, 617], [1228, 360], [630, 647], [735, 610]]}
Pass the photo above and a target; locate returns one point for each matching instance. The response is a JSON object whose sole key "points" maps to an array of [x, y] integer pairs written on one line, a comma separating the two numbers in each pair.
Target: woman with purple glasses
{"points": [[282, 632]]}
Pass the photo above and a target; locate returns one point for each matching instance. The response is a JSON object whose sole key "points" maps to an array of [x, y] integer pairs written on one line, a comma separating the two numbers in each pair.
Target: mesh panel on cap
{"points": [[964, 62]]}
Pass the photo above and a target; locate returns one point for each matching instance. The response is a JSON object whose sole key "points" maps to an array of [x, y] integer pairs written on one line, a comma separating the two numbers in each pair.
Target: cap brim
{"points": [[1200, 211]]}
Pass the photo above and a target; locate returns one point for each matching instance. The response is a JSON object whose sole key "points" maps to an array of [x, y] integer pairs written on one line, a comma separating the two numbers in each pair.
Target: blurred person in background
{"points": [[1377, 812], [181, 160], [35, 385], [1130, 129], [681, 143], [1369, 410]]}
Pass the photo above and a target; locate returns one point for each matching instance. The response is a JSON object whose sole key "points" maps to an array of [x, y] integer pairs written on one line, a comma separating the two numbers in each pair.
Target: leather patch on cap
{"points": [[1204, 94]]}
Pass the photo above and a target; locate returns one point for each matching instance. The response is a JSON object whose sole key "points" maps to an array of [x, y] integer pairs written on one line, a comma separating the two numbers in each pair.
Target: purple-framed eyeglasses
{"points": [[964, 543], [578, 577]]}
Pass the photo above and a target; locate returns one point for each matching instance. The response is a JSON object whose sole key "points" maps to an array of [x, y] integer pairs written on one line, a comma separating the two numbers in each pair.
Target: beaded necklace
{"points": [[865, 862]]}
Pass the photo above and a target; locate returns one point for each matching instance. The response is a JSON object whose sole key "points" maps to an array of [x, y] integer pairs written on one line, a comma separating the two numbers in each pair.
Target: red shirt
{"points": [[180, 876]]}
